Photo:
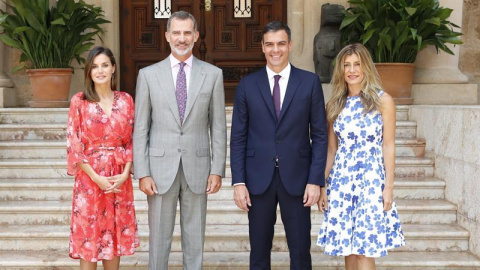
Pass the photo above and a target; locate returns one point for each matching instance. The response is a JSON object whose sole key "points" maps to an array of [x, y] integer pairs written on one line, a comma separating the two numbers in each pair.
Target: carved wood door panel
{"points": [[231, 43]]}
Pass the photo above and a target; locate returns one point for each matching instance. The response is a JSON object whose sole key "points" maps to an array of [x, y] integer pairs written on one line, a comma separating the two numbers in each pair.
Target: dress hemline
{"points": [[368, 256], [107, 259]]}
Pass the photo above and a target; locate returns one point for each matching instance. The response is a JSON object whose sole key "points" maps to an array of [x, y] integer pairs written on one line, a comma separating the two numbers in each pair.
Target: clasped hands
{"points": [[111, 184]]}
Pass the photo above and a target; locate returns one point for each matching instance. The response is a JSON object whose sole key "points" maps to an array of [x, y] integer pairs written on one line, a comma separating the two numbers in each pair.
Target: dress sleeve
{"points": [[130, 120], [75, 154]]}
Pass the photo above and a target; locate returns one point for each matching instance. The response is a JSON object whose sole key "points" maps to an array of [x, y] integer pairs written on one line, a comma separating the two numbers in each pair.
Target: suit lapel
{"points": [[165, 80], [264, 87], [292, 86], [197, 77]]}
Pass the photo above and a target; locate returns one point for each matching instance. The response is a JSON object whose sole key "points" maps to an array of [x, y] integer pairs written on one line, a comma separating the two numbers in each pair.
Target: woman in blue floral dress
{"points": [[360, 217]]}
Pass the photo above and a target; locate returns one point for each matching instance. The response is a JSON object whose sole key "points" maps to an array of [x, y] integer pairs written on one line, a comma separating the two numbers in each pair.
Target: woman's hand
{"points": [[104, 184], [387, 198], [116, 181], [323, 202]]}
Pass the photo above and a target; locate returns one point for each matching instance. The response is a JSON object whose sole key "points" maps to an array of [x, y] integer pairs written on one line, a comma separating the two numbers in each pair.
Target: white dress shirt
{"points": [[175, 64], [283, 82]]}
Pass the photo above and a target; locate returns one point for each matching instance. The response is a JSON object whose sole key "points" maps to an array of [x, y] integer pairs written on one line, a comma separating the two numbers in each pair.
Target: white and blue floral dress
{"points": [[355, 222]]}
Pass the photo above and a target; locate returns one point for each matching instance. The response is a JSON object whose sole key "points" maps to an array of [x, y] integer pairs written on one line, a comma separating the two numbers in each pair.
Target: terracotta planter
{"points": [[397, 80], [50, 87]]}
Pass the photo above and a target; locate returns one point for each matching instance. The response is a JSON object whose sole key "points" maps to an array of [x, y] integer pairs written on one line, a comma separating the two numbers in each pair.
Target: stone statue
{"points": [[327, 41]]}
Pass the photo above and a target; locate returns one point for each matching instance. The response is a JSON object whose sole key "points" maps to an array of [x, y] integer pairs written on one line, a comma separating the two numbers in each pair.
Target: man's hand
{"points": [[241, 197], [214, 183], [147, 185], [323, 201], [311, 196]]}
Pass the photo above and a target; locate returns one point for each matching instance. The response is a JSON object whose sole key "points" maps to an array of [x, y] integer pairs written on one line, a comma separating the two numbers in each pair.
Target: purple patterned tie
{"points": [[276, 95], [181, 91]]}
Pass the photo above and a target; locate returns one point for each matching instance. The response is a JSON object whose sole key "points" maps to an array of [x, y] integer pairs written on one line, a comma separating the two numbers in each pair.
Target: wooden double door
{"points": [[233, 44]]}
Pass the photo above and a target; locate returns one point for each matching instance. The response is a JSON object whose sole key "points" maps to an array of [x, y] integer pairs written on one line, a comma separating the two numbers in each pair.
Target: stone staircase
{"points": [[35, 205]]}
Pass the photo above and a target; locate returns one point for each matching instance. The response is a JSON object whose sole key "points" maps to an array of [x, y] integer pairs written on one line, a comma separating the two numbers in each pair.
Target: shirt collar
{"points": [[285, 73], [174, 61]]}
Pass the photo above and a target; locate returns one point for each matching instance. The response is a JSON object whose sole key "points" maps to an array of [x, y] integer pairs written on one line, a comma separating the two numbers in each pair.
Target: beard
{"points": [[181, 52]]}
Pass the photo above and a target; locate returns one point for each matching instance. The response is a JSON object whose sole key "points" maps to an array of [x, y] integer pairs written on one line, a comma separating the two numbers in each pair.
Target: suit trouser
{"points": [[161, 220], [262, 216]]}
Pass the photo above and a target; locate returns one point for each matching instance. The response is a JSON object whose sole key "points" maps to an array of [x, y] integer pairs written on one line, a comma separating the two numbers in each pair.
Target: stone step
{"points": [[57, 168], [60, 115], [228, 238], [33, 149], [59, 260], [35, 131], [401, 112], [33, 168], [411, 147], [53, 189], [33, 115], [404, 129], [57, 131], [404, 167], [218, 212], [414, 167]]}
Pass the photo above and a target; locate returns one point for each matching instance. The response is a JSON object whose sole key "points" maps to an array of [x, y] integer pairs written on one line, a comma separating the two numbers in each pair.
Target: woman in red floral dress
{"points": [[99, 153]]}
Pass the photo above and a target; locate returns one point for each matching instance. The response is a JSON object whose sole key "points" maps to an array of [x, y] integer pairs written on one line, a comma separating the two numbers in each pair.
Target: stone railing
{"points": [[451, 134]]}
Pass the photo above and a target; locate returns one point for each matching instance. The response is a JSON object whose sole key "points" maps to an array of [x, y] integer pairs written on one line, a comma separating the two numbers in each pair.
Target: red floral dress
{"points": [[103, 225]]}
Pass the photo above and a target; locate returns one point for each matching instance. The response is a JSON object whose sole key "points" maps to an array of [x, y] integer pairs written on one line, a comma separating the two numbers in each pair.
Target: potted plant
{"points": [[394, 31], [50, 38]]}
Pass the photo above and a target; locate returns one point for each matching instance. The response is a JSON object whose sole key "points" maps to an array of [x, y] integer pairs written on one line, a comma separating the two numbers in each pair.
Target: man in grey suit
{"points": [[179, 143]]}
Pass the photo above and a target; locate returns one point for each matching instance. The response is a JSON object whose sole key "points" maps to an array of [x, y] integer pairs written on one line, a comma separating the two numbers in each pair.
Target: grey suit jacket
{"points": [[160, 141]]}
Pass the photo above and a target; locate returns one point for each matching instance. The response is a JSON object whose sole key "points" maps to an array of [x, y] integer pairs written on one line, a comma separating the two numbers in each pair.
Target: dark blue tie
{"points": [[276, 95]]}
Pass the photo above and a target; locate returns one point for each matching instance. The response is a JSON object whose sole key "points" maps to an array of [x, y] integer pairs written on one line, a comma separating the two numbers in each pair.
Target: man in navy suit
{"points": [[278, 150]]}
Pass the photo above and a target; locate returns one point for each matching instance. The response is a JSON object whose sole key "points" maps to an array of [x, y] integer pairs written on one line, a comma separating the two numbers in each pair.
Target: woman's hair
{"points": [[89, 92], [370, 84]]}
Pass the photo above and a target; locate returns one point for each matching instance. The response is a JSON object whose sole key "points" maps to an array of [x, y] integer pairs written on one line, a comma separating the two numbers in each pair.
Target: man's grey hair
{"points": [[181, 15]]}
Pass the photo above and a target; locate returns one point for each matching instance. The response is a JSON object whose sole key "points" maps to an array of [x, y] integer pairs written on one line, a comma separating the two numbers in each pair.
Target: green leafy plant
{"points": [[50, 37], [396, 30]]}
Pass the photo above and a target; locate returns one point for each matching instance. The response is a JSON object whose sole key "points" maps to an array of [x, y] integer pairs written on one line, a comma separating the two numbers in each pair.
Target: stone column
{"points": [[442, 67], [304, 21], [111, 39], [7, 93]]}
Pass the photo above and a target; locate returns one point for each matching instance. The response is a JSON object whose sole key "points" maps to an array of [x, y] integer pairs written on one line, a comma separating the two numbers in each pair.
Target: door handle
{"points": [[208, 5]]}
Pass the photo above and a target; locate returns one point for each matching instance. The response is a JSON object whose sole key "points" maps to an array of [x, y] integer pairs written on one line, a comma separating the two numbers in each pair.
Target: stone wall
{"points": [[470, 50], [304, 20], [452, 133]]}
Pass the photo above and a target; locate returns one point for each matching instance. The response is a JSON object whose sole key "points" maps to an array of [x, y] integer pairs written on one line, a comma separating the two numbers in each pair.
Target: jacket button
{"points": [[179, 150], [278, 141]]}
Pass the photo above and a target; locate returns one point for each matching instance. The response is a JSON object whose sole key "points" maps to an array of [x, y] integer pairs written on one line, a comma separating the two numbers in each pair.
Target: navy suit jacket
{"points": [[298, 138]]}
